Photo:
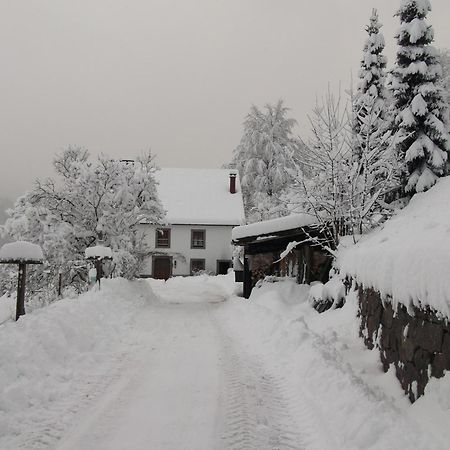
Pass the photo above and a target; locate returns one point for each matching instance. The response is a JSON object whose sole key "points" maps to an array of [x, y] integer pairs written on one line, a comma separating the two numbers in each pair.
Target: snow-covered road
{"points": [[166, 397], [187, 365], [187, 385]]}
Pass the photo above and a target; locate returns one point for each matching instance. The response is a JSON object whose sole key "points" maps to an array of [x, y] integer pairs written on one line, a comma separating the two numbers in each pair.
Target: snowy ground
{"points": [[186, 365]]}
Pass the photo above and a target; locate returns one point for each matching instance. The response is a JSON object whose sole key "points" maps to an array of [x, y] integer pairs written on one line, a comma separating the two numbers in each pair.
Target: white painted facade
{"points": [[217, 247], [194, 199]]}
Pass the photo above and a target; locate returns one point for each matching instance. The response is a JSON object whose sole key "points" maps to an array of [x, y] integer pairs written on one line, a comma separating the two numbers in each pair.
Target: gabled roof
{"points": [[200, 197]]}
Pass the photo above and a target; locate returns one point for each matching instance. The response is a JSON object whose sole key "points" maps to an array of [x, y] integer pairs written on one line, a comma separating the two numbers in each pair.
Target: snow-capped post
{"points": [[21, 253], [98, 254]]}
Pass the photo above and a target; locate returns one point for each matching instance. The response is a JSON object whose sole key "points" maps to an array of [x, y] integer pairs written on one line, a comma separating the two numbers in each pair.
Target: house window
{"points": [[197, 265], [198, 238], [162, 238]]}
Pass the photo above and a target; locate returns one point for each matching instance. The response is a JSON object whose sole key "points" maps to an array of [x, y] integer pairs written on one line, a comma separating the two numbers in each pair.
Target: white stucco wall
{"points": [[218, 247]]}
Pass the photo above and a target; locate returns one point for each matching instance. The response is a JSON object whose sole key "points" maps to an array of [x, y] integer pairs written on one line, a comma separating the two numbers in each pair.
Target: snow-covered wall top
{"points": [[408, 258], [98, 251], [21, 251], [273, 226], [200, 197]]}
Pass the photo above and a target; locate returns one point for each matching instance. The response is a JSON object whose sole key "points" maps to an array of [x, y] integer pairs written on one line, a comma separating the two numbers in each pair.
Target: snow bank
{"points": [[409, 257], [273, 226], [195, 289], [327, 371], [21, 251], [48, 353]]}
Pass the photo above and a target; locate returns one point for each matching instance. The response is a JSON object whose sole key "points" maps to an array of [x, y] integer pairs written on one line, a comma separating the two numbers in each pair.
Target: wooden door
{"points": [[162, 267]]}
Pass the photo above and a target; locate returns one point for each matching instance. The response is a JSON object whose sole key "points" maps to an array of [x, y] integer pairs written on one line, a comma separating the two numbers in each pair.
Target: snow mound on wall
{"points": [[409, 257], [50, 350]]}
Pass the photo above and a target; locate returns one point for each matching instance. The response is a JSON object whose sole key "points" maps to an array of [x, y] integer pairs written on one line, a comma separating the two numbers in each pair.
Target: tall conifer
{"points": [[420, 108]]}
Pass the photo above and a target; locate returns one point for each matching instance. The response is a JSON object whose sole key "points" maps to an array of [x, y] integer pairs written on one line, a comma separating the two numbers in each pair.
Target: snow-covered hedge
{"points": [[409, 257]]}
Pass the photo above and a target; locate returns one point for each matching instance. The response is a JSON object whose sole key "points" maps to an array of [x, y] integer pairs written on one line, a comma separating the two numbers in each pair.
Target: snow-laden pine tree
{"points": [[370, 101], [423, 141], [92, 202], [444, 59], [267, 159], [374, 163]]}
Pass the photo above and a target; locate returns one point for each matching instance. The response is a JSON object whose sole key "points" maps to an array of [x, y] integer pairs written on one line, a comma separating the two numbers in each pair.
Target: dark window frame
{"points": [[194, 260], [196, 230], [158, 234]]}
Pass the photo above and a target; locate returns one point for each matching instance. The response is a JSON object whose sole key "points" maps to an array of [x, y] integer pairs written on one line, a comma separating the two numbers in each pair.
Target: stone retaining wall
{"points": [[417, 344]]}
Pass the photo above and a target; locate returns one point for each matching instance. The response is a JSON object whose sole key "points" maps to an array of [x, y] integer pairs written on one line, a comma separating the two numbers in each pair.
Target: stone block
{"points": [[422, 359], [439, 365], [385, 338], [430, 337], [373, 323], [407, 349], [388, 316]]}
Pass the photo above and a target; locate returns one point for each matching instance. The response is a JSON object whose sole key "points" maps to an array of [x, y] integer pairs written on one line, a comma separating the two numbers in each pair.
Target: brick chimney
{"points": [[232, 182]]}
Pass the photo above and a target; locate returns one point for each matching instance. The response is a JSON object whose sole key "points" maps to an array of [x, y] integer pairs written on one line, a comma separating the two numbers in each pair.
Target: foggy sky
{"points": [[176, 76]]}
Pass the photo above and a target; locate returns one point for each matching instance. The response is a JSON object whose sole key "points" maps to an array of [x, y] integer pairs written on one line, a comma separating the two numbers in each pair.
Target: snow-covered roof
{"points": [[273, 226], [200, 197], [21, 251], [409, 257]]}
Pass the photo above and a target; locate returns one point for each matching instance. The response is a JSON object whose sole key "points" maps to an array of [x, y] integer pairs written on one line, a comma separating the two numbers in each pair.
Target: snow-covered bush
{"points": [[91, 201]]}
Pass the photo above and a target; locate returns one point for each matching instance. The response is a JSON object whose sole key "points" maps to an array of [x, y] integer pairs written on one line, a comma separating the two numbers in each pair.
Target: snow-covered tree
{"points": [[91, 202], [323, 185], [370, 101], [267, 158], [345, 196], [444, 58], [421, 110], [375, 166]]}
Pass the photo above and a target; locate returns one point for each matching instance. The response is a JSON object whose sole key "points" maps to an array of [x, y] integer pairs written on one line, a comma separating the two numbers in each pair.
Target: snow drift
{"points": [[50, 351], [409, 257]]}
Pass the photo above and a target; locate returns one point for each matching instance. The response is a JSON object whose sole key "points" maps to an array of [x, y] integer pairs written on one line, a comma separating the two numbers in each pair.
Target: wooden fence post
{"points": [[21, 283]]}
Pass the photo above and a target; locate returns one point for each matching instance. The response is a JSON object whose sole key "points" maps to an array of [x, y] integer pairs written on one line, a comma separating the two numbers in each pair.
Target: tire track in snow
{"points": [[258, 412], [264, 410]]}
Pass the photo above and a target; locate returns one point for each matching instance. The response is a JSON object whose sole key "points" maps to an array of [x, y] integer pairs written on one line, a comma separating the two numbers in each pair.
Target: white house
{"points": [[202, 207]]}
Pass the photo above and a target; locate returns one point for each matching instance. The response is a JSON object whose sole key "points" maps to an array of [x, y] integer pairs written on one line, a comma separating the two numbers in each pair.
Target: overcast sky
{"points": [[176, 76]]}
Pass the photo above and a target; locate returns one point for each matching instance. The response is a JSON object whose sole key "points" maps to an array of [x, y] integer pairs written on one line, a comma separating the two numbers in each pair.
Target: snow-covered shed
{"points": [[202, 207], [265, 244]]}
